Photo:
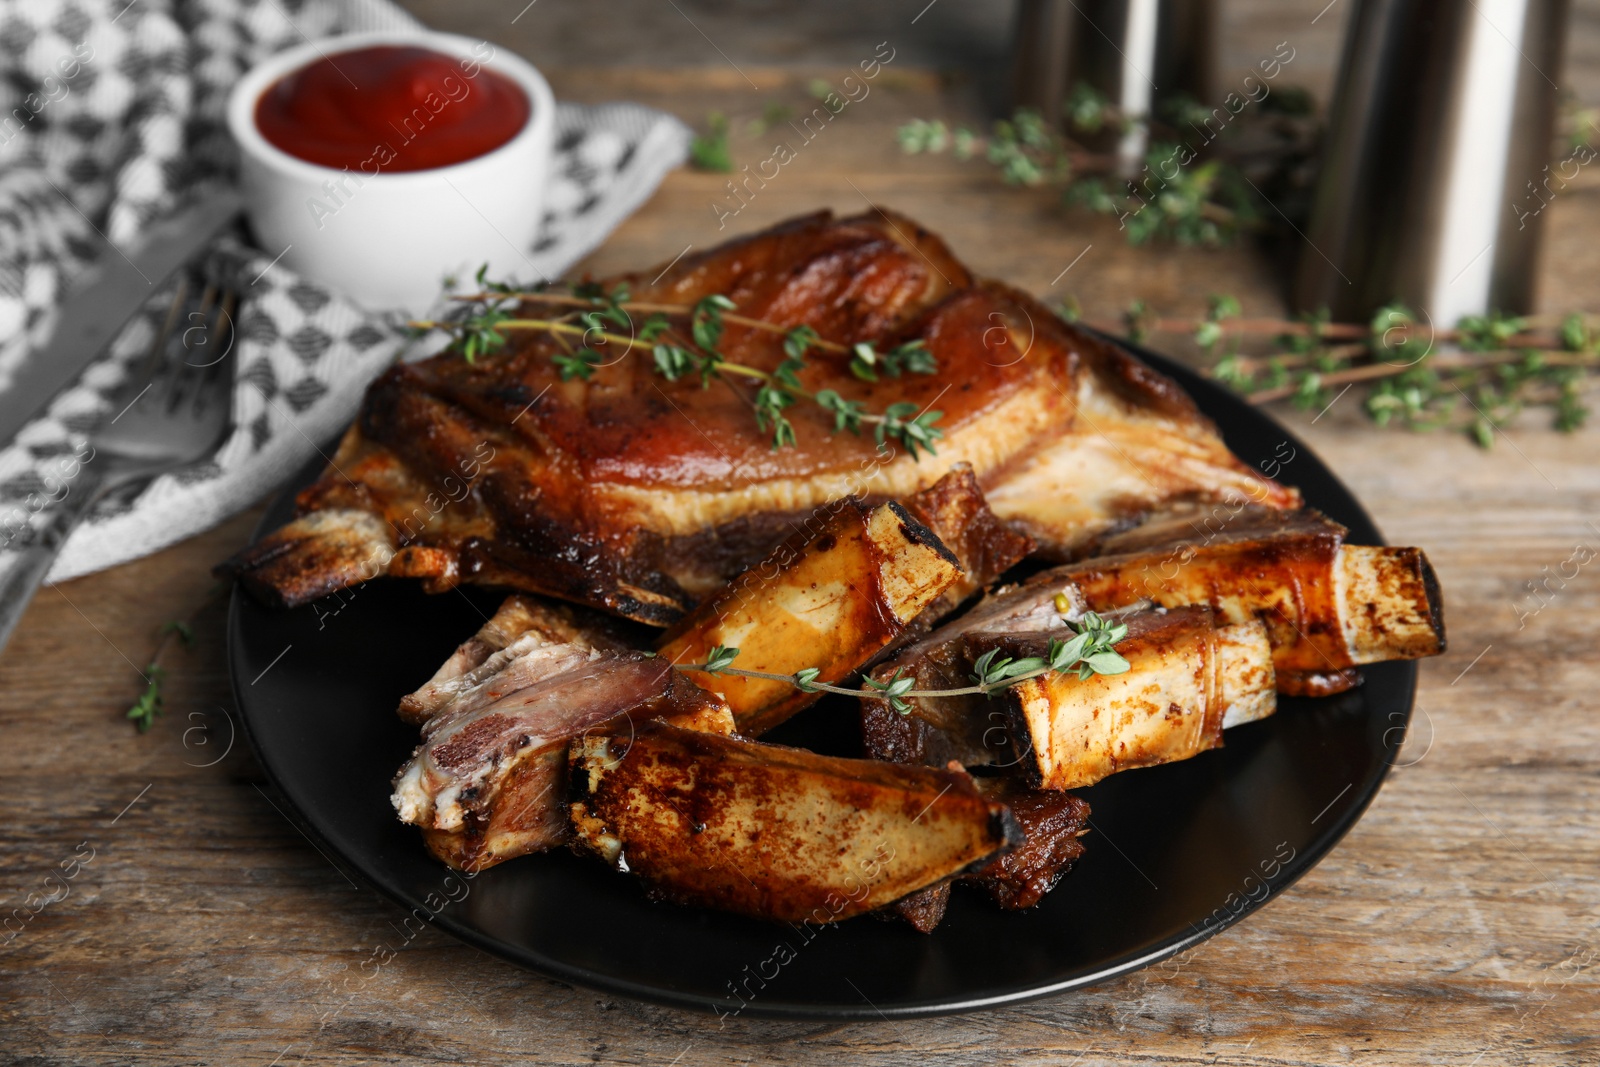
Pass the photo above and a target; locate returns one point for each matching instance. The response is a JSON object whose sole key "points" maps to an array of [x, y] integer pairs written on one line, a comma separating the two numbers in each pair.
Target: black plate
{"points": [[1177, 852]]}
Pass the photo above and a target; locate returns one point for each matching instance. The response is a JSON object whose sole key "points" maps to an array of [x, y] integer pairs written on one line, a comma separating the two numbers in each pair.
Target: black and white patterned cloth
{"points": [[111, 117]]}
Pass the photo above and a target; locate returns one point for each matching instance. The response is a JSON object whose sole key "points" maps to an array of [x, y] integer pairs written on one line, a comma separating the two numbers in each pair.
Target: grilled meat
{"points": [[1136, 447], [477, 672], [923, 910], [1189, 678], [774, 832], [956, 510], [830, 601], [640, 496], [1051, 822], [486, 783], [1328, 606]]}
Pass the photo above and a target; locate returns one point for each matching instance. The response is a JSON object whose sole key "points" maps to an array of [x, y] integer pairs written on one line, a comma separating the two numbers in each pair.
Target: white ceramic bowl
{"points": [[390, 240]]}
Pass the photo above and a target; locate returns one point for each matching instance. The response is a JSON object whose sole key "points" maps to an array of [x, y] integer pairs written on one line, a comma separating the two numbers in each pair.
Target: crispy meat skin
{"points": [[774, 832], [639, 496]]}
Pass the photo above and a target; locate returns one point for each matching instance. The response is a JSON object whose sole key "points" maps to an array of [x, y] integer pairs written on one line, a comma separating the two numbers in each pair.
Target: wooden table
{"points": [[1459, 923]]}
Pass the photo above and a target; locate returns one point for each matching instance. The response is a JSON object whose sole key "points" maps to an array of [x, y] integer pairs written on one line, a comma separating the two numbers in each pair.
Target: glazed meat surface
{"points": [[639, 496], [775, 832]]}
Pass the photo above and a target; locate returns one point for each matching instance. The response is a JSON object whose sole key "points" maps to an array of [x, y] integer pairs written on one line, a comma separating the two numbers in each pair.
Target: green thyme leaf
{"points": [[144, 710], [673, 362], [705, 322], [1106, 663], [846, 413], [709, 150], [720, 658], [184, 631], [864, 361], [897, 686], [579, 364], [653, 327], [798, 341]]}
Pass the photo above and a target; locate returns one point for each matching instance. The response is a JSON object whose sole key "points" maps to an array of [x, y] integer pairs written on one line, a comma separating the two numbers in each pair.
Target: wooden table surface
{"points": [[1459, 923]]}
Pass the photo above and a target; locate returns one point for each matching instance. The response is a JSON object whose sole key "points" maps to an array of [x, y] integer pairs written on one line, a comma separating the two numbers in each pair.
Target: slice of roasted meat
{"points": [[1188, 679], [956, 510], [1052, 824], [830, 600], [640, 496], [541, 638], [850, 583], [774, 832], [1328, 605], [486, 783]]}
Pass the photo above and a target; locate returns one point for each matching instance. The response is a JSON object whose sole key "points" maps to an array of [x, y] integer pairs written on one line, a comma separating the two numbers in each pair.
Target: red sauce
{"points": [[391, 108]]}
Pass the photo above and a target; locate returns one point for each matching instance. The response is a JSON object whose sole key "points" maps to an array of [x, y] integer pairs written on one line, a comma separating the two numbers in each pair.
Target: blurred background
{"points": [[958, 63]]}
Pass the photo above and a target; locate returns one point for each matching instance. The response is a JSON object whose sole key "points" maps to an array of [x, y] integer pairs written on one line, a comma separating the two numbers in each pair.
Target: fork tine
{"points": [[220, 342], [153, 358], [177, 386], [230, 301]]}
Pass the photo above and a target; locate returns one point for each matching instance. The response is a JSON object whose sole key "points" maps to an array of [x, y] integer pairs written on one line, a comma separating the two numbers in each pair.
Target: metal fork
{"points": [[173, 410]]}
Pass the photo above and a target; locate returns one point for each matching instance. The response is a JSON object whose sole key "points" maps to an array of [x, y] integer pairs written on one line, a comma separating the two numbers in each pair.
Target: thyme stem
{"points": [[566, 300], [971, 690], [1372, 371], [692, 350], [558, 326], [1091, 651]]}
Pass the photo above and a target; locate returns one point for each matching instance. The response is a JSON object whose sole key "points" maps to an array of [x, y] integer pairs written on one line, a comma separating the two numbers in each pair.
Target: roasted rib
{"points": [[830, 600], [556, 633], [774, 832], [845, 586], [1051, 822], [486, 784], [1328, 606], [640, 496], [1189, 678]]}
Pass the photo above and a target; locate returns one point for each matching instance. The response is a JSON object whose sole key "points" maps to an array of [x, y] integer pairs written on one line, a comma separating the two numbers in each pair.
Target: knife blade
{"points": [[109, 294]]}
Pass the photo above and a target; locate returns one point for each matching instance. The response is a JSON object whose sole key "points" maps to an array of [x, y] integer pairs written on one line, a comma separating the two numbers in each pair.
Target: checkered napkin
{"points": [[113, 118]]}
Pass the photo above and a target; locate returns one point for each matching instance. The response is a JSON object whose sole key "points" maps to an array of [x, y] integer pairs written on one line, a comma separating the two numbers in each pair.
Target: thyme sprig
{"points": [[1474, 378], [1188, 195], [151, 703], [143, 712], [1090, 651], [684, 341]]}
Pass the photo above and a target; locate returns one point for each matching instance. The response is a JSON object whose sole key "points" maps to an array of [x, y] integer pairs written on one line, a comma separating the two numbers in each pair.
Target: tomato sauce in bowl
{"points": [[391, 108]]}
